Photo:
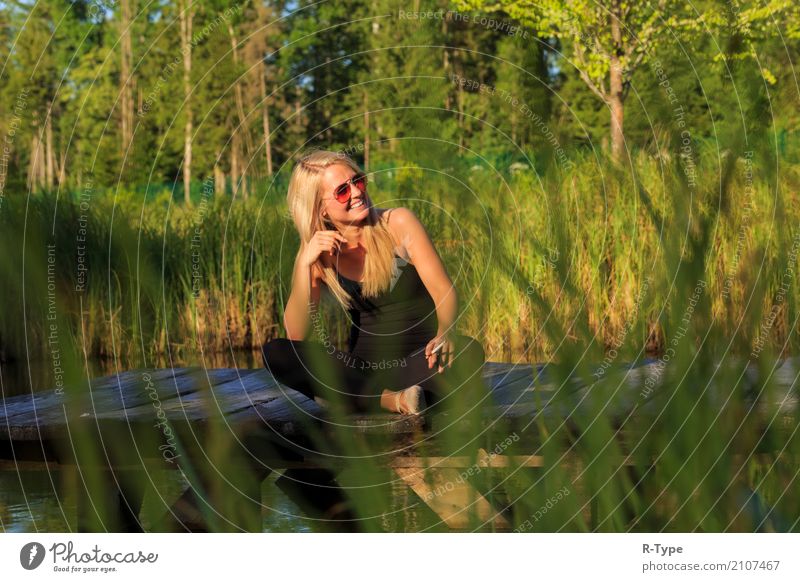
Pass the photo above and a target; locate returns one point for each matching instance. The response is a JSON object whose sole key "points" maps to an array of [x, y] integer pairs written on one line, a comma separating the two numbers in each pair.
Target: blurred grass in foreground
{"points": [[596, 266]]}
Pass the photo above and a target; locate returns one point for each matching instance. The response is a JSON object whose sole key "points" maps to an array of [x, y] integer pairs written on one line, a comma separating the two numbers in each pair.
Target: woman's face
{"points": [[353, 211]]}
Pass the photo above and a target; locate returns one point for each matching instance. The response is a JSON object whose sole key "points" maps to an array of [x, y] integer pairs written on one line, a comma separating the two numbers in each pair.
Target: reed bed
{"points": [[583, 250], [593, 265]]}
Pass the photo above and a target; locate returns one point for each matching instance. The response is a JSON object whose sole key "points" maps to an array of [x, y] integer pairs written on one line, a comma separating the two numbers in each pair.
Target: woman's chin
{"points": [[362, 210], [359, 215]]}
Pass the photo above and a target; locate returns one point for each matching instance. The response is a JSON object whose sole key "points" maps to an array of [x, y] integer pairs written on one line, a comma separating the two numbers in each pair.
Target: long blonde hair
{"points": [[305, 205]]}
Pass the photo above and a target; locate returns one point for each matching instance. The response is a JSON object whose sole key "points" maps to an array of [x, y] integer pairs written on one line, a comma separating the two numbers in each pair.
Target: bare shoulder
{"points": [[400, 220], [405, 227], [397, 216]]}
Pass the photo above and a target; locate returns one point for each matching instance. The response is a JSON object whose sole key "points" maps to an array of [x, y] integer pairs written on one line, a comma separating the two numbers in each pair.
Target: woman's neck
{"points": [[353, 234]]}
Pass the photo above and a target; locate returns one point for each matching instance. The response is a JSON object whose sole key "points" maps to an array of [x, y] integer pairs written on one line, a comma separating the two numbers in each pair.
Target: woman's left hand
{"points": [[445, 354]]}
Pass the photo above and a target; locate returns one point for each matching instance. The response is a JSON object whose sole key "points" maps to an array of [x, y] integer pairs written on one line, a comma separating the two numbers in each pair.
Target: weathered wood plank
{"points": [[110, 398], [26, 404], [108, 392], [291, 412], [484, 459], [519, 393], [228, 396], [148, 388], [125, 391], [450, 496]]}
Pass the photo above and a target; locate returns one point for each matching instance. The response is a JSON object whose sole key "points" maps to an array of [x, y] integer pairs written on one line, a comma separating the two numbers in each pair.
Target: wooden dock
{"points": [[211, 423]]}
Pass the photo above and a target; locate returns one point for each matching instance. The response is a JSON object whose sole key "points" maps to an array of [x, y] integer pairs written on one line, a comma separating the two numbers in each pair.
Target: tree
{"points": [[322, 59], [411, 100], [609, 39], [264, 35], [187, 10], [127, 81], [47, 39]]}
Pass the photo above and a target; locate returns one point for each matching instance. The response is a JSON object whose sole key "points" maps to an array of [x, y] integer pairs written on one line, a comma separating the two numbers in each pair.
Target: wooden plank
{"points": [[214, 401], [463, 462], [27, 404], [283, 416], [141, 390], [486, 460], [287, 415], [24, 409], [119, 392], [114, 396], [195, 394], [450, 496]]}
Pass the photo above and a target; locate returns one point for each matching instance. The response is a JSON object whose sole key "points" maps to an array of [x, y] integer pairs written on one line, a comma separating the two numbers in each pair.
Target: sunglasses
{"points": [[342, 192]]}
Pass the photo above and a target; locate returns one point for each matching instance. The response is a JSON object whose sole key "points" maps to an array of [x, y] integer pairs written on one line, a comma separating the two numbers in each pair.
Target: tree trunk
{"points": [[616, 100], [265, 119], [36, 165], [237, 89], [126, 58], [219, 178], [235, 164], [617, 112], [62, 167], [366, 131], [49, 156], [186, 17]]}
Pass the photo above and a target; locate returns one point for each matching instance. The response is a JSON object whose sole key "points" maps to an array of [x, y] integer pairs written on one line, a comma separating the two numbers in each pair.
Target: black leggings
{"points": [[344, 378]]}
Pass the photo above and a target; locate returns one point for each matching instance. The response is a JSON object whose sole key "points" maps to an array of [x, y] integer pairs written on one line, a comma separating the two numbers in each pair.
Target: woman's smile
{"points": [[358, 204]]}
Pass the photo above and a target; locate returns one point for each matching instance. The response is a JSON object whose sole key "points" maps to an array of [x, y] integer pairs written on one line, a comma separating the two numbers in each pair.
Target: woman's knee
{"points": [[276, 352], [471, 351]]}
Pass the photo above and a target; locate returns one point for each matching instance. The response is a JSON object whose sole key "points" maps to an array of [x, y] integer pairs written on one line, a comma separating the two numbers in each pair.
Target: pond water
{"points": [[33, 499], [28, 504]]}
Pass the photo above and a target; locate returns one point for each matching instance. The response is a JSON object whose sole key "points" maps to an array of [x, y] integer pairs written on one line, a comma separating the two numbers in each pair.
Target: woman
{"points": [[381, 266]]}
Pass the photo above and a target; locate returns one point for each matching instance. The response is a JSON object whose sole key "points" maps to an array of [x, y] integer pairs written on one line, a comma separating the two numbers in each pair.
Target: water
{"points": [[31, 502], [28, 502], [34, 499]]}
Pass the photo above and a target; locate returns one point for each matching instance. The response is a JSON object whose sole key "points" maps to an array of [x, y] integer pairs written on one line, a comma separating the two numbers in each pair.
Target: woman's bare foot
{"points": [[390, 400], [399, 401]]}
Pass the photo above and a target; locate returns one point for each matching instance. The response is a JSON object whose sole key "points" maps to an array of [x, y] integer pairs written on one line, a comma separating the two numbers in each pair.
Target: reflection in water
{"points": [[34, 501], [28, 502]]}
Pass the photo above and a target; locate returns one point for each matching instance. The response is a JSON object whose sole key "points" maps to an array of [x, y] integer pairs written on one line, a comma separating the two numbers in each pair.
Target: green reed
{"points": [[216, 275], [569, 266]]}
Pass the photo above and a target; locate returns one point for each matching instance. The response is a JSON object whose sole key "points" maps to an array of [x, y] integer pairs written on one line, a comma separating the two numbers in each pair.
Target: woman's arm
{"points": [[303, 298], [428, 264]]}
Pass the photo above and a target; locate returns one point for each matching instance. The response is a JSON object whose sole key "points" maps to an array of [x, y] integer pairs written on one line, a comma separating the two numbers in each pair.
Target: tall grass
{"points": [[165, 278], [595, 264]]}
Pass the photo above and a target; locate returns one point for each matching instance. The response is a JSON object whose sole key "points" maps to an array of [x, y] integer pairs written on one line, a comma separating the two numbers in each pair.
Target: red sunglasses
{"points": [[342, 192]]}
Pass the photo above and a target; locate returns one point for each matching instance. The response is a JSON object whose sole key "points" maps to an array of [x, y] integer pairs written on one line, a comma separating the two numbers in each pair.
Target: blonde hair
{"points": [[305, 205]]}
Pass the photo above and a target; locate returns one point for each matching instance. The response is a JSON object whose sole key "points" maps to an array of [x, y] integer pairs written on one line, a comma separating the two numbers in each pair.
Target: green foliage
{"points": [[557, 253]]}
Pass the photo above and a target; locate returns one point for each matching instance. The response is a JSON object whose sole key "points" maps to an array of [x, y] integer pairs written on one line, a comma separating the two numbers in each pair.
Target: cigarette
{"points": [[437, 348]]}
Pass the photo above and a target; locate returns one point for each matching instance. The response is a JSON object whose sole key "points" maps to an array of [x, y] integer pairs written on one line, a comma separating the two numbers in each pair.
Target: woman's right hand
{"points": [[323, 241]]}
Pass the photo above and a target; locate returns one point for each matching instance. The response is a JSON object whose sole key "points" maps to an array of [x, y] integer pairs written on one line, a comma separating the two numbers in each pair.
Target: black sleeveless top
{"points": [[392, 325]]}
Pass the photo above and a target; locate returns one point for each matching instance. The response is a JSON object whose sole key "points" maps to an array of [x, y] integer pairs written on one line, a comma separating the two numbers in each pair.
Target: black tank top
{"points": [[399, 321]]}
